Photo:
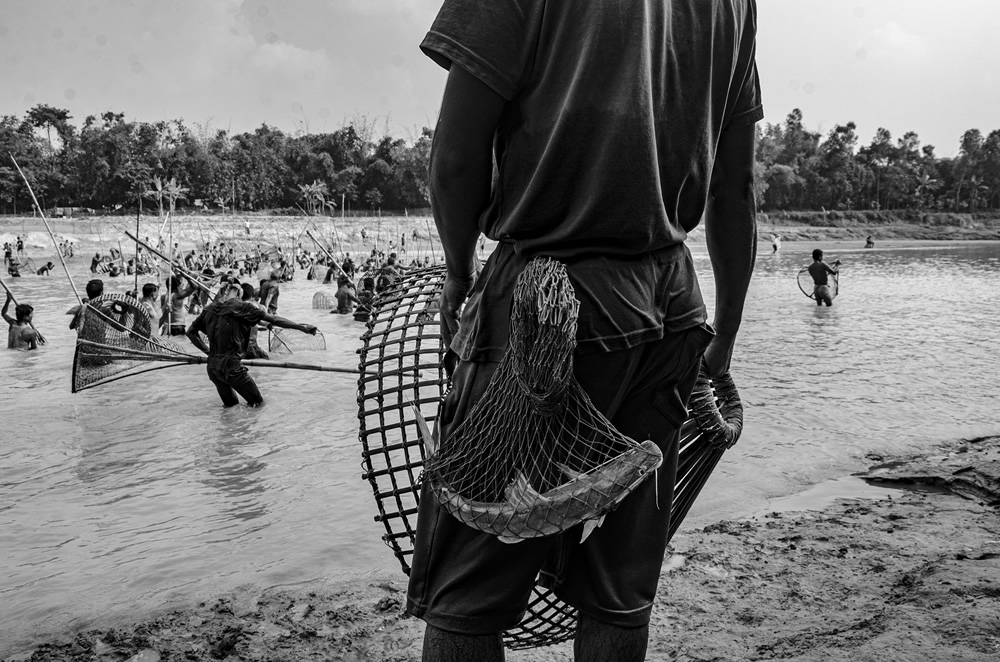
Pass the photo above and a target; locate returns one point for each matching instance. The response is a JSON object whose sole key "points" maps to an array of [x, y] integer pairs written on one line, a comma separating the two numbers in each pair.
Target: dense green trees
{"points": [[798, 170], [112, 164]]}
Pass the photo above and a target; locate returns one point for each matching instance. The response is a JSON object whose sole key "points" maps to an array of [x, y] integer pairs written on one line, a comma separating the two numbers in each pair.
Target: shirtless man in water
{"points": [[227, 323], [22, 334], [819, 270]]}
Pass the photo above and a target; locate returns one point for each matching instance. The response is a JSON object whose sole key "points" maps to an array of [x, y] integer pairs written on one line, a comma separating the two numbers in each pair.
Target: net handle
{"points": [[716, 407]]}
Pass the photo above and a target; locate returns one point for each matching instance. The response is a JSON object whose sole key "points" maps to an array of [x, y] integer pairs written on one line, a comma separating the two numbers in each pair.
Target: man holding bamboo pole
{"points": [[228, 323], [21, 335]]}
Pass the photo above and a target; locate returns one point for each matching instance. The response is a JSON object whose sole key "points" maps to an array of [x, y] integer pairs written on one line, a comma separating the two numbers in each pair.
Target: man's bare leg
{"points": [[598, 642], [441, 646]]}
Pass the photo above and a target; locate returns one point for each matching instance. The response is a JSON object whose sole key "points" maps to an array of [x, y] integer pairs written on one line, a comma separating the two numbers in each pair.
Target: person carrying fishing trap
{"points": [[555, 452]]}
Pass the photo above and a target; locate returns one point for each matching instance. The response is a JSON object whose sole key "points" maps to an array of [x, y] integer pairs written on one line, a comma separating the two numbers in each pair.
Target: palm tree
{"points": [[314, 194], [156, 193], [173, 191], [925, 185]]}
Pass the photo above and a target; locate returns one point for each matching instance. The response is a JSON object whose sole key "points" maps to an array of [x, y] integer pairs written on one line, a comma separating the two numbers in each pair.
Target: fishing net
{"points": [[324, 301], [402, 374], [535, 456], [287, 341], [805, 282], [116, 339]]}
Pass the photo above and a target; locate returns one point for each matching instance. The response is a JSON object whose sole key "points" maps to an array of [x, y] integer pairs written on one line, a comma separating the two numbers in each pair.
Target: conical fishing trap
{"points": [[570, 454]]}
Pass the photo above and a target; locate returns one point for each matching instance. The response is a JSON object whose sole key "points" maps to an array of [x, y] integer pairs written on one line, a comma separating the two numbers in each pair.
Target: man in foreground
{"points": [[228, 323], [611, 125]]}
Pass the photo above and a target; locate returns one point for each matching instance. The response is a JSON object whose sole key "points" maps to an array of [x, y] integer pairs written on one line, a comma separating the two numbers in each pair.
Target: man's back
{"points": [[614, 113], [228, 326], [819, 271]]}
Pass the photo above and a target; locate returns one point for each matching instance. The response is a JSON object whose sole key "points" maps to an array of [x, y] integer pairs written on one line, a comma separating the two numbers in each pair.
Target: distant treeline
{"points": [[110, 164]]}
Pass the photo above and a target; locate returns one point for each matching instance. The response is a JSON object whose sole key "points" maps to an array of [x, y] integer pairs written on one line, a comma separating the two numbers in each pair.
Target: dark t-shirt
{"points": [[604, 152], [227, 325]]}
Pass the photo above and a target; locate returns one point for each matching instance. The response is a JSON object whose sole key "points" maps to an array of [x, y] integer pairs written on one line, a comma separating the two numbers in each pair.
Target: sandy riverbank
{"points": [[914, 575]]}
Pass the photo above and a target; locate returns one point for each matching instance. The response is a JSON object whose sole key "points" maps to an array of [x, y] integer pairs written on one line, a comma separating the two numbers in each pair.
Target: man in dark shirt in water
{"points": [[227, 323], [819, 271]]}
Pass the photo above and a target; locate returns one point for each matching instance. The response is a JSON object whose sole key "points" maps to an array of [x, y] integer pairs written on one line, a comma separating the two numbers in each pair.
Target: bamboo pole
{"points": [[55, 244], [328, 255]]}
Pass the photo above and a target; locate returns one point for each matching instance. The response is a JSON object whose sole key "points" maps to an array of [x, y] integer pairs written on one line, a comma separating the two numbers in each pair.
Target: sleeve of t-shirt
{"points": [[748, 108], [249, 312], [494, 40]]}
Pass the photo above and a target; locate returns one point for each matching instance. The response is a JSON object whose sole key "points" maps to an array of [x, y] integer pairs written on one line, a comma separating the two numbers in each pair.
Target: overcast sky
{"points": [[907, 65]]}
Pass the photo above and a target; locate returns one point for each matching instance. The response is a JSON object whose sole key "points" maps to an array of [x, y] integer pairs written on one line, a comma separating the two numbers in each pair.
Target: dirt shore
{"points": [[913, 576]]}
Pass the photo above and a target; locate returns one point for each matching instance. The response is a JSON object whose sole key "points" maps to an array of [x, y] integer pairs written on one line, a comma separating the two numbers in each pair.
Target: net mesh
{"points": [[401, 373], [288, 341], [324, 301], [116, 339], [535, 456]]}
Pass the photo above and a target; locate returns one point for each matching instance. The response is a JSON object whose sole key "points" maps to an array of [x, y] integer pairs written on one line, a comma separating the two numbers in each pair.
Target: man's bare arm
{"points": [[275, 320], [192, 333], [461, 174], [6, 304], [731, 234]]}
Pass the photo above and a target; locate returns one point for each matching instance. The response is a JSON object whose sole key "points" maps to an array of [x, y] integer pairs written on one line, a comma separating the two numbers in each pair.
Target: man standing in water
{"points": [[820, 270], [21, 334], [612, 124], [227, 323]]}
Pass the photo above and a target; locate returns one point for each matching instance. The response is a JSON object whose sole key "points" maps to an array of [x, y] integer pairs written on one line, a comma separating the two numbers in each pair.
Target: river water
{"points": [[143, 493]]}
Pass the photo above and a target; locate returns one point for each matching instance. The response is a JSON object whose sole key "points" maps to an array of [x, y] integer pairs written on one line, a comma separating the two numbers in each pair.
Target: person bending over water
{"points": [[227, 323], [21, 334], [820, 270]]}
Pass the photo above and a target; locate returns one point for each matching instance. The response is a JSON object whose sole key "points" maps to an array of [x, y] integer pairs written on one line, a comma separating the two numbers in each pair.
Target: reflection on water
{"points": [[134, 494]]}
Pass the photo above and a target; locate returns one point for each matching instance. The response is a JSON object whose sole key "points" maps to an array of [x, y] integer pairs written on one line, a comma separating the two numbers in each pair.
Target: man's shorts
{"points": [[823, 295], [468, 582], [230, 377]]}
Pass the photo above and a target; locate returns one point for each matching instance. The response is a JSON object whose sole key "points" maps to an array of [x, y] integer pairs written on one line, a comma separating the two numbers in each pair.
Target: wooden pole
{"points": [[330, 257], [55, 244]]}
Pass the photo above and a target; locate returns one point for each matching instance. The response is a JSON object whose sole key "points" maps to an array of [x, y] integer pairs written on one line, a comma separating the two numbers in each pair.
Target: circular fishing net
{"points": [[402, 375]]}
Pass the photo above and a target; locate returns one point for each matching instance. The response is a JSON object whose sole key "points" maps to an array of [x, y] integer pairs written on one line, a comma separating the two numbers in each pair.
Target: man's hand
{"points": [[308, 328], [456, 291]]}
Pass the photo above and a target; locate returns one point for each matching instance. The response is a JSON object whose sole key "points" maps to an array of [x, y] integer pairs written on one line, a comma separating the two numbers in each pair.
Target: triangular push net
{"points": [[117, 339], [287, 341], [402, 372]]}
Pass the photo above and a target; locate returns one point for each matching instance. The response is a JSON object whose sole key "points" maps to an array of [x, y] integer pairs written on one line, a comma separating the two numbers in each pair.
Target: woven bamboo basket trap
{"points": [[401, 372]]}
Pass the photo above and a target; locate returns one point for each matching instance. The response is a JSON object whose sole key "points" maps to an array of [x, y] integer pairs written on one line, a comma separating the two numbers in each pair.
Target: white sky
{"points": [[929, 67]]}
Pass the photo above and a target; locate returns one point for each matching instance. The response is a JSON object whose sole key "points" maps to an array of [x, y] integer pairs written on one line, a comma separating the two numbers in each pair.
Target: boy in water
{"points": [[819, 270], [227, 323], [21, 335]]}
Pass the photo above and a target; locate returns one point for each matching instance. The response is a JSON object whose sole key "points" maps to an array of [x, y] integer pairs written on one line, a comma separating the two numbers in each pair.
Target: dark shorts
{"points": [[469, 582], [231, 377]]}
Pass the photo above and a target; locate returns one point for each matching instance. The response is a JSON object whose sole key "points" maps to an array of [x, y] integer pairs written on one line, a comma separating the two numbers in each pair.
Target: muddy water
{"points": [[145, 492]]}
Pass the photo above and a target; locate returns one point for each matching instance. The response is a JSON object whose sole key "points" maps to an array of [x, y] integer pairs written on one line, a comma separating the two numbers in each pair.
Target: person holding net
{"points": [[228, 323], [21, 335], [609, 149]]}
